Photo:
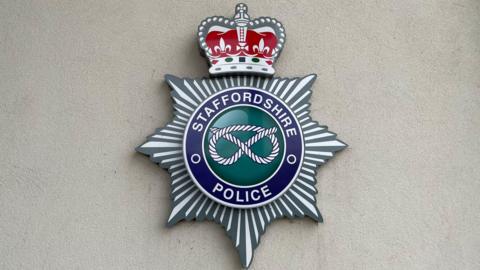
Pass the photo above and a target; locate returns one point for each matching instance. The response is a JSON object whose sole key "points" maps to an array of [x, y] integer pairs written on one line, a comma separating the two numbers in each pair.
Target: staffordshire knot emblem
{"points": [[242, 149]]}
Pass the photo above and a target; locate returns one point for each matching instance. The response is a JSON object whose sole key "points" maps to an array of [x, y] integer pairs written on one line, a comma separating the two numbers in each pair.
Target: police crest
{"points": [[242, 149]]}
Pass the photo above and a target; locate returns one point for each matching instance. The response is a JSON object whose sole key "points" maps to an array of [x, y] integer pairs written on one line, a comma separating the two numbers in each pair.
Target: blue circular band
{"points": [[216, 188]]}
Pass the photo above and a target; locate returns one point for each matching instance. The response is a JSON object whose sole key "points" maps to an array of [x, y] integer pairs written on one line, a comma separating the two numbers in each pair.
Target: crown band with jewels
{"points": [[241, 45]]}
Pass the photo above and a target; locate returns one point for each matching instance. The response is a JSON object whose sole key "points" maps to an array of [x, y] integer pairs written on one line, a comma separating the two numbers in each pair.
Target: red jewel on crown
{"points": [[241, 45]]}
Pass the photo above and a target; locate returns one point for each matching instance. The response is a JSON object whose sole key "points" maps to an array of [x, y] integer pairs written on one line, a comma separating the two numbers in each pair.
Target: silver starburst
{"points": [[243, 226]]}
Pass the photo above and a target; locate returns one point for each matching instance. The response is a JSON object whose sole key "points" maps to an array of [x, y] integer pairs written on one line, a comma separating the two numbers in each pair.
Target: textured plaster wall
{"points": [[81, 84]]}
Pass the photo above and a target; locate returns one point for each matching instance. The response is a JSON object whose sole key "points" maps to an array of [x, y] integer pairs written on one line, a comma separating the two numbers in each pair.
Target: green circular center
{"points": [[245, 170]]}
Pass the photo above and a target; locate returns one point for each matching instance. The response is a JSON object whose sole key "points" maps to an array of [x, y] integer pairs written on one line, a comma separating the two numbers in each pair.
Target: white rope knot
{"points": [[243, 147]]}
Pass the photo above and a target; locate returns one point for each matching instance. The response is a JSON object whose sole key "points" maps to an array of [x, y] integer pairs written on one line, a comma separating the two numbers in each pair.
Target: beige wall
{"points": [[81, 84]]}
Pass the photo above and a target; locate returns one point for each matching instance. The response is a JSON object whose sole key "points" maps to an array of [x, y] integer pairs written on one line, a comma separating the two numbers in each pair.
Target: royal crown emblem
{"points": [[242, 150], [241, 45]]}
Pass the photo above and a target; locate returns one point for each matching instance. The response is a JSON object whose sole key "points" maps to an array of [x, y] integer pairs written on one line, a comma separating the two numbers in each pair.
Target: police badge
{"points": [[242, 149]]}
